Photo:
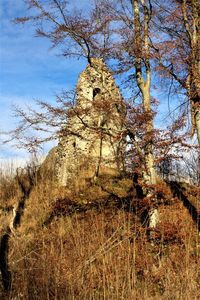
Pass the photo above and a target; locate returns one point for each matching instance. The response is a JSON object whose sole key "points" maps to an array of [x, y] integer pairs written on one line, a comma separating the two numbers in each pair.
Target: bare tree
{"points": [[143, 77], [129, 23], [179, 50]]}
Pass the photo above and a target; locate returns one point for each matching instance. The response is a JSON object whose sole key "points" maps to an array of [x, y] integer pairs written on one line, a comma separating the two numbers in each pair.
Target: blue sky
{"points": [[28, 69]]}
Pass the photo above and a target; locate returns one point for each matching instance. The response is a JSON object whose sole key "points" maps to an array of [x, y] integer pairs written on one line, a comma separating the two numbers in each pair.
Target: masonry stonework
{"points": [[96, 141]]}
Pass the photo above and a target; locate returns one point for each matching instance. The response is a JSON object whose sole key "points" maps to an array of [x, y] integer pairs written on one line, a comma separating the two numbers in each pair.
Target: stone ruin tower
{"points": [[94, 142]]}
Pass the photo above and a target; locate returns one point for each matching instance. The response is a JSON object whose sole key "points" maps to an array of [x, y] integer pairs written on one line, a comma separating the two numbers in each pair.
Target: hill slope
{"points": [[90, 244]]}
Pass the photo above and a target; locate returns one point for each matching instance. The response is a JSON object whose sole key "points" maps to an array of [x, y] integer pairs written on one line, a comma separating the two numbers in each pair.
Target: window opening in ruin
{"points": [[96, 91], [74, 144]]}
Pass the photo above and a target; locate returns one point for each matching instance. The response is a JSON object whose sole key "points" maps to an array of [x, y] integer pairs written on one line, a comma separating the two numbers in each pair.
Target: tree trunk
{"points": [[144, 82], [150, 173], [197, 123], [143, 77], [191, 13]]}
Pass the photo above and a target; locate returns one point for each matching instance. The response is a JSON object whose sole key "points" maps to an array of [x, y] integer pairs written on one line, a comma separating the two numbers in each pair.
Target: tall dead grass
{"points": [[102, 253]]}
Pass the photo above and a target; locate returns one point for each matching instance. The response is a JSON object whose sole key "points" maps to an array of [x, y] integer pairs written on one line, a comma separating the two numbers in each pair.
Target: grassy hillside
{"points": [[89, 243]]}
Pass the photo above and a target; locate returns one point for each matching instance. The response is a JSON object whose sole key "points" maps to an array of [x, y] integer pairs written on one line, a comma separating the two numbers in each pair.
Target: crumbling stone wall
{"points": [[96, 141]]}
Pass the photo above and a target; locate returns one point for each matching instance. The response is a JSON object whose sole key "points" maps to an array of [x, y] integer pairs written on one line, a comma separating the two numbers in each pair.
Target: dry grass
{"points": [[101, 253]]}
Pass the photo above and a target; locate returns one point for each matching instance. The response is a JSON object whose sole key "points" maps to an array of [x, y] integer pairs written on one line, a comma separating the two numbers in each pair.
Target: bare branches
{"points": [[41, 124], [186, 21], [124, 32], [178, 53], [56, 24]]}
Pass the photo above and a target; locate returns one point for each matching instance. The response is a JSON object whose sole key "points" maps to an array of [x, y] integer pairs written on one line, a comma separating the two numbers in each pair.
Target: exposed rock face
{"points": [[95, 143]]}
